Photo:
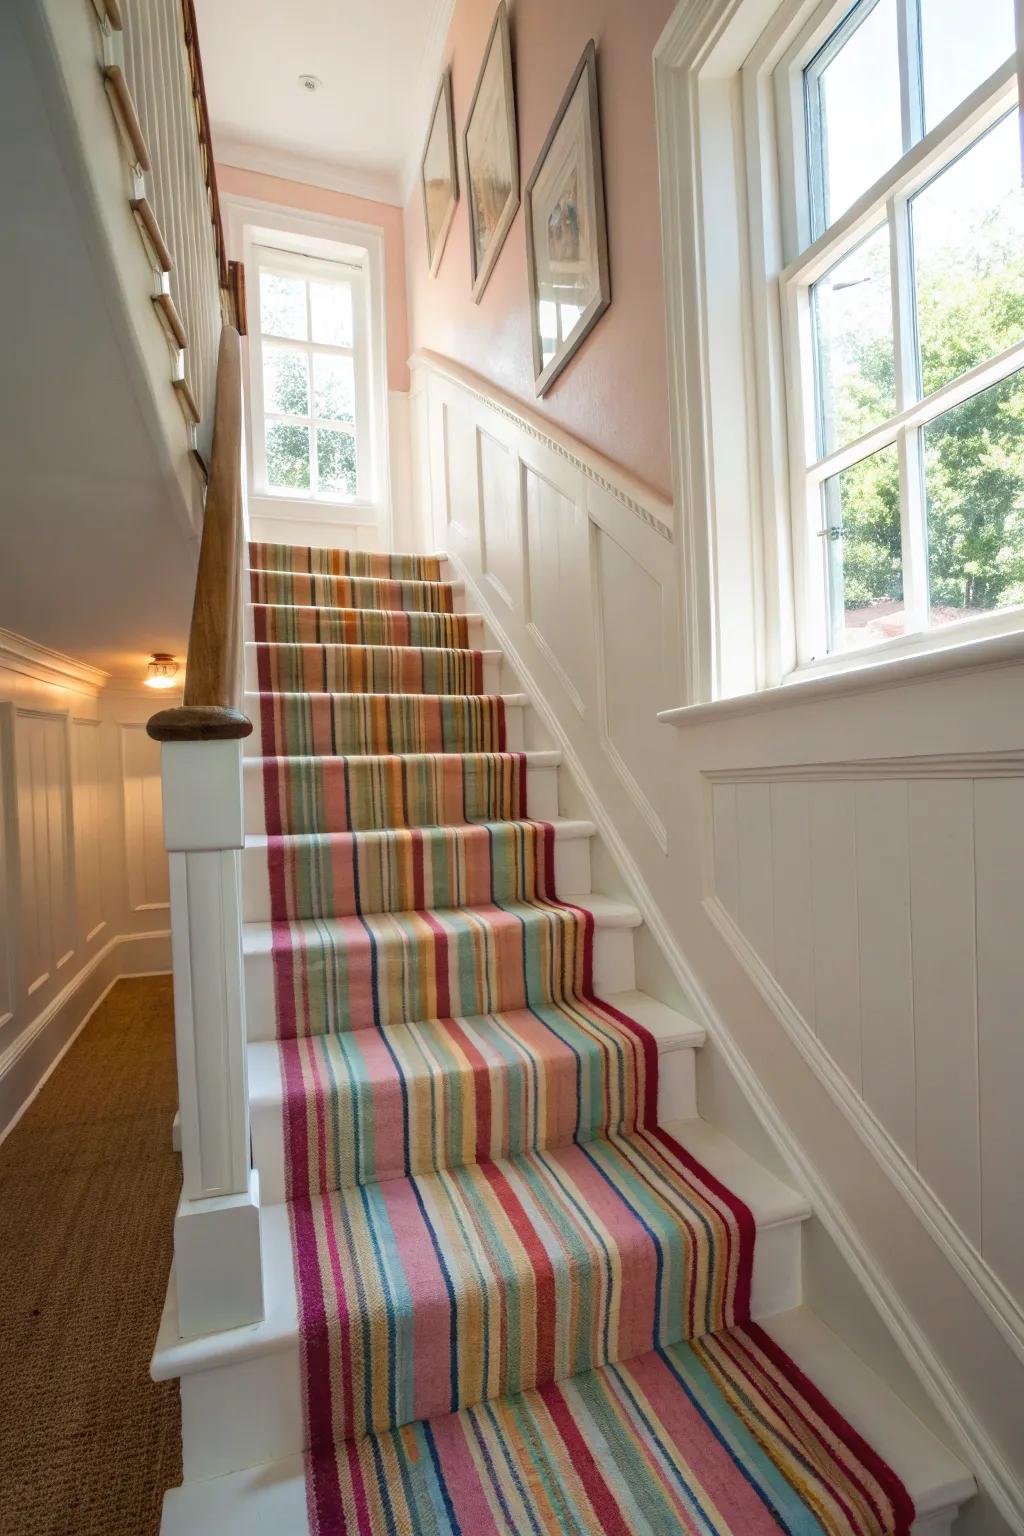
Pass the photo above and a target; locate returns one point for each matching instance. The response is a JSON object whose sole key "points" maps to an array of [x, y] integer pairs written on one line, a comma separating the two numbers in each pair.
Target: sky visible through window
{"points": [[962, 44]]}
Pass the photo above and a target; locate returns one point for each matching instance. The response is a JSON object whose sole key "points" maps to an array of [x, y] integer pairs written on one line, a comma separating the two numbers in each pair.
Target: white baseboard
{"points": [[32, 1057]]}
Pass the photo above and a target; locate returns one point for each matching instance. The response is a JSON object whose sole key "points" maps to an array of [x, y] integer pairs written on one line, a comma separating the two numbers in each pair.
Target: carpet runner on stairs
{"points": [[523, 1307]]}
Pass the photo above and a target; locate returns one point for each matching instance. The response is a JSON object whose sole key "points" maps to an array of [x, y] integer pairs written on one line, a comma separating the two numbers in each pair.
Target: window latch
{"points": [[833, 533]]}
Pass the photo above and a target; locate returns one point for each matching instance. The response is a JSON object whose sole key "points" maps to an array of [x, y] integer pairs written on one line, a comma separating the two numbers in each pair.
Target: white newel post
{"points": [[218, 1267]]}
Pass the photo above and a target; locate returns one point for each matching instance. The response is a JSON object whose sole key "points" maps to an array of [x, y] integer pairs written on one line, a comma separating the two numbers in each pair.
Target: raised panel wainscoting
{"points": [[83, 896]]}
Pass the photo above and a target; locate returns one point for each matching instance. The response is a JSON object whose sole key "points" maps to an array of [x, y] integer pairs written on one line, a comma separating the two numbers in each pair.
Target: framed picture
{"points": [[491, 154], [566, 231], [439, 174]]}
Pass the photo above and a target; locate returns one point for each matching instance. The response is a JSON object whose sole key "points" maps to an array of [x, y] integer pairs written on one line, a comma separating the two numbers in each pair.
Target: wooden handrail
{"points": [[211, 702]]}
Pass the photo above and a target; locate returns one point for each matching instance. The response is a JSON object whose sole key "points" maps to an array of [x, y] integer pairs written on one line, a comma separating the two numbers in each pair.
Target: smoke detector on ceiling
{"points": [[310, 82]]}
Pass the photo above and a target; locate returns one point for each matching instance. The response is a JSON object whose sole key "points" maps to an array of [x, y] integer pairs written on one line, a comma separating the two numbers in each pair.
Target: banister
{"points": [[211, 701]]}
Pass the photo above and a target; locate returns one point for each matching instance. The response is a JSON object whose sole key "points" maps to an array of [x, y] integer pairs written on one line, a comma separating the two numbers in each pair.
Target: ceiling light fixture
{"points": [[162, 670], [310, 82]]}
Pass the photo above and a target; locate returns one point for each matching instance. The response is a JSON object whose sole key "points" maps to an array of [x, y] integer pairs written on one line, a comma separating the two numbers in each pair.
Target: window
{"points": [[311, 417], [903, 309]]}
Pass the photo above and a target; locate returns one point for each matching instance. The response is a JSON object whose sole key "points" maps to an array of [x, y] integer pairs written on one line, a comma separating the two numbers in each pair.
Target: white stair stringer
{"points": [[241, 1391]]}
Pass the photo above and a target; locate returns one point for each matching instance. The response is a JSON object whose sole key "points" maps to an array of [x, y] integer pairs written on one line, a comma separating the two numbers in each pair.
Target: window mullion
{"points": [[908, 26], [913, 533]]}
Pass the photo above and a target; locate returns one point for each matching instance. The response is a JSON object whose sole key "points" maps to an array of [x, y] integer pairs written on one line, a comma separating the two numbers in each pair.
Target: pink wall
{"points": [[613, 395], [340, 205]]}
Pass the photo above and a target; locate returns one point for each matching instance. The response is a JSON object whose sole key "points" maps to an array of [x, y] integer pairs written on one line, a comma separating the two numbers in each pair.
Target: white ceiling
{"points": [[375, 58]]}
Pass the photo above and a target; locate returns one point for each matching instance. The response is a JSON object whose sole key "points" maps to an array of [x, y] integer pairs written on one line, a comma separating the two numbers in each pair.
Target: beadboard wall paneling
{"points": [[882, 904], [145, 858]]}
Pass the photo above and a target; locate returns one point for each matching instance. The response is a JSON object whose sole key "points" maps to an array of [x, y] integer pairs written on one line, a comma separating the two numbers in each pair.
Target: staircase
{"points": [[511, 1280]]}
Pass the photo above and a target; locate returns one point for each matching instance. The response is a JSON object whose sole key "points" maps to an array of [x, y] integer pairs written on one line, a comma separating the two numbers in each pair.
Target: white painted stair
{"points": [[270, 1499], [241, 1391]]}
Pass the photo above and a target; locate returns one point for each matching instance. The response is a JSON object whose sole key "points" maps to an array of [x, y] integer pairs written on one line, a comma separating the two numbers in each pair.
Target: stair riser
{"points": [[492, 682], [541, 795], [572, 878], [614, 971], [677, 1100], [249, 1412], [515, 727]]}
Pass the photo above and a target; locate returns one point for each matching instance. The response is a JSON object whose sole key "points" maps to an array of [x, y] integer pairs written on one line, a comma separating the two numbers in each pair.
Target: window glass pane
{"points": [[854, 356], [285, 382], [855, 129], [282, 306], [334, 388], [974, 485], [287, 457], [961, 45], [331, 310], [864, 559], [968, 230], [336, 461]]}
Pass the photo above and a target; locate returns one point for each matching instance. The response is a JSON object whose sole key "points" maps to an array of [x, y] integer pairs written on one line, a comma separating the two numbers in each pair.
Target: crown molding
{"points": [[19, 654], [421, 99], [375, 186]]}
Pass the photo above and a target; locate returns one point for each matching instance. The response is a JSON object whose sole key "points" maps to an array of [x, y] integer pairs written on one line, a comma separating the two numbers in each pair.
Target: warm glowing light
{"points": [[162, 671]]}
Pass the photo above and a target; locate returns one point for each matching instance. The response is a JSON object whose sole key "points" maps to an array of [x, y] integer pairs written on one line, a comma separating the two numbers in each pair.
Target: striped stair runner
{"points": [[523, 1306]]}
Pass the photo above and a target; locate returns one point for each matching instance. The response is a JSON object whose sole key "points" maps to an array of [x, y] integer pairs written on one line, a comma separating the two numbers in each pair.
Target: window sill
{"points": [[315, 508], [968, 656]]}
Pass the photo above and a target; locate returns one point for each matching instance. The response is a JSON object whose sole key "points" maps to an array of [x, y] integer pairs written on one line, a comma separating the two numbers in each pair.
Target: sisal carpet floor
{"points": [[88, 1188]]}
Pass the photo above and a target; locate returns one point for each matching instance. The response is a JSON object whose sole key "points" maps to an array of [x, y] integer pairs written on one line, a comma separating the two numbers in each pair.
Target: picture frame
{"points": [[439, 174], [566, 229], [490, 150]]}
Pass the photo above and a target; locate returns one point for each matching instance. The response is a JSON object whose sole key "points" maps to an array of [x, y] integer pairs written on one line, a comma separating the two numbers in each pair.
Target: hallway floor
{"points": [[88, 1188]]}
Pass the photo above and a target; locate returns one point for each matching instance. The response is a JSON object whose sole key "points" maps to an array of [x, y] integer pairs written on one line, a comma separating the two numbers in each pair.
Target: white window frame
{"points": [[252, 222], [289, 263], [884, 204], [727, 240]]}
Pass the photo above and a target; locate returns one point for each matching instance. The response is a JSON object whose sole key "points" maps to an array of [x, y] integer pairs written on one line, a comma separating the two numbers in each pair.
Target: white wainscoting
{"points": [[835, 884], [84, 873], [570, 553], [882, 898]]}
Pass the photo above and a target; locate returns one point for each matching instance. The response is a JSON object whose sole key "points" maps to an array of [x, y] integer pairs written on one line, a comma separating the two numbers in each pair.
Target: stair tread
{"points": [[511, 700], [353, 645], [607, 911], [564, 827], [672, 1031], [768, 1199], [270, 1500], [534, 759]]}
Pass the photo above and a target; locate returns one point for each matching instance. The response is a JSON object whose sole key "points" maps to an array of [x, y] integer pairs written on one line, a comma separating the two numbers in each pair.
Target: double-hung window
{"points": [[903, 312], [311, 409]]}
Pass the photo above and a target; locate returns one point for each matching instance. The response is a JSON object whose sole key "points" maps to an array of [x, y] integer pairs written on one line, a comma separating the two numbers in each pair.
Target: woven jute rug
{"points": [[88, 1189]]}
